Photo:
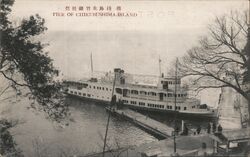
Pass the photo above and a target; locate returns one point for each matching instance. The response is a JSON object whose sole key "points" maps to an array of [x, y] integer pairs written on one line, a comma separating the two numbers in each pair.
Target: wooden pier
{"points": [[152, 126]]}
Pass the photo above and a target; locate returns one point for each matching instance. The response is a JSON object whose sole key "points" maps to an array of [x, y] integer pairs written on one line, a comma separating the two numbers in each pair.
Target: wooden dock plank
{"points": [[145, 121]]}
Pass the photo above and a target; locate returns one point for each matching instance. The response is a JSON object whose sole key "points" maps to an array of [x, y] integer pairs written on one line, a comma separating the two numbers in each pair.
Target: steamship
{"points": [[167, 96]]}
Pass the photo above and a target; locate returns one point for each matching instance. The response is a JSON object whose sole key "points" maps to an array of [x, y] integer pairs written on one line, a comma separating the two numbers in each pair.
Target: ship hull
{"points": [[172, 113], [146, 110]]}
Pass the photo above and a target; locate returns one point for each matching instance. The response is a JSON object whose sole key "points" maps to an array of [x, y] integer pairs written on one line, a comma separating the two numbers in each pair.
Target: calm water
{"points": [[37, 135]]}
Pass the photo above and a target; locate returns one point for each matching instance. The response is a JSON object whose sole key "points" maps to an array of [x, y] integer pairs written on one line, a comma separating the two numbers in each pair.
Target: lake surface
{"points": [[36, 135]]}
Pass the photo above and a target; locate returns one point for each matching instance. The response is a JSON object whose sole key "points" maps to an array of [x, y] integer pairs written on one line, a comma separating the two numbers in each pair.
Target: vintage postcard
{"points": [[136, 78]]}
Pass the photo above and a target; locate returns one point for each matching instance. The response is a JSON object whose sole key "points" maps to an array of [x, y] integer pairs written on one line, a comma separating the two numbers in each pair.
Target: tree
{"points": [[7, 143], [25, 65], [222, 56]]}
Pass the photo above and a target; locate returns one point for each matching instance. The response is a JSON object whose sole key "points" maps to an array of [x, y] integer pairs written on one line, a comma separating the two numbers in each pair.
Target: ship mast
{"points": [[160, 66], [91, 60]]}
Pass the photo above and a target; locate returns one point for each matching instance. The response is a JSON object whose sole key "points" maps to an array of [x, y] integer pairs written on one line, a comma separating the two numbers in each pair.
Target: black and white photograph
{"points": [[125, 78]]}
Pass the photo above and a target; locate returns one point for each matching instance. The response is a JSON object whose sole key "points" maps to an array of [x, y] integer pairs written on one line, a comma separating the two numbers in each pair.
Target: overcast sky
{"points": [[162, 28]]}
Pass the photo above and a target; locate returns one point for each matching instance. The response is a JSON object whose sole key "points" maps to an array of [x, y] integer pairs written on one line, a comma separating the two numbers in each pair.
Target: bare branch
{"points": [[12, 80]]}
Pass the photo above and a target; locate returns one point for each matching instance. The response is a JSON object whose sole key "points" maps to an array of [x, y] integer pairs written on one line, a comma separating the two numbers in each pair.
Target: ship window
{"points": [[94, 87], [88, 95], [133, 102], [84, 94], [118, 90], [107, 89], [71, 92], [165, 95], [134, 92], [152, 93], [89, 86], [185, 108], [75, 92], [141, 103], [79, 93], [170, 107], [102, 88]]}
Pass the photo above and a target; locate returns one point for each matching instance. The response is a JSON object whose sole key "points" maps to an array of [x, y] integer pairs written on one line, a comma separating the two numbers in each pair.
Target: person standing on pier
{"points": [[219, 129], [208, 128], [214, 127], [198, 130]]}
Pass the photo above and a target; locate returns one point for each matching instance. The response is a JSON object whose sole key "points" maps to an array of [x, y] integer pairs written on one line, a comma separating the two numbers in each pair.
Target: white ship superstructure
{"points": [[160, 97]]}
